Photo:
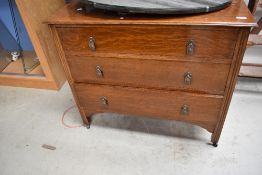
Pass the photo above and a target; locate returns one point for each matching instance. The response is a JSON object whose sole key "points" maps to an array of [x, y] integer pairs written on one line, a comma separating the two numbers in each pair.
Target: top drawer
{"points": [[188, 43]]}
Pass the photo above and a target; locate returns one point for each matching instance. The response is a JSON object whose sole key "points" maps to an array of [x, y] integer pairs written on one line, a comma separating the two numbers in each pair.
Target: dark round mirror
{"points": [[159, 6]]}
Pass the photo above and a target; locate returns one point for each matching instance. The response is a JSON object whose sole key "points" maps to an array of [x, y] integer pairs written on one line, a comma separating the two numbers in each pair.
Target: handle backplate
{"points": [[190, 47], [92, 43], [188, 78]]}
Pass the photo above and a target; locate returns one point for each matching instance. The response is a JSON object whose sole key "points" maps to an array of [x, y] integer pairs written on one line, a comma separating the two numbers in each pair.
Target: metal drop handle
{"points": [[190, 47], [184, 110], [104, 101], [99, 71], [92, 43], [188, 78]]}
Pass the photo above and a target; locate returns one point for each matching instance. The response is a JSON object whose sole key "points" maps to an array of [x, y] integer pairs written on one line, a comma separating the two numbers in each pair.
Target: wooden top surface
{"points": [[237, 14]]}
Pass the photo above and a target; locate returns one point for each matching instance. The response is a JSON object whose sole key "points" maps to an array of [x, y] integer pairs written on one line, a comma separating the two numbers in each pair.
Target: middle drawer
{"points": [[173, 75]]}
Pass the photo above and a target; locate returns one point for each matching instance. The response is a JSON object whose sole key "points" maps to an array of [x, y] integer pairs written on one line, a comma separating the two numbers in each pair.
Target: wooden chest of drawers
{"points": [[179, 68]]}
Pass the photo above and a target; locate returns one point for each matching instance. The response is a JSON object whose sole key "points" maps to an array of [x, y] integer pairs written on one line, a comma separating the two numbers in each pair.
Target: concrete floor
{"points": [[118, 144], [126, 145]]}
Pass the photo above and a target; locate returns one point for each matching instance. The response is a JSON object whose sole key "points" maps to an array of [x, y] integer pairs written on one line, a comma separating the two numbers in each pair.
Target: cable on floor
{"points": [[63, 117]]}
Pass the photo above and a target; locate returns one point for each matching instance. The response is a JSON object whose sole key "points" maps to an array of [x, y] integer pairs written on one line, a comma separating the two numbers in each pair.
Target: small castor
{"points": [[88, 122], [214, 144], [88, 126]]}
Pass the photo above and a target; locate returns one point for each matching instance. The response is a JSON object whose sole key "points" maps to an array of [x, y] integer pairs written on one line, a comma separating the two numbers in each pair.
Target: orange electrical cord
{"points": [[63, 117]]}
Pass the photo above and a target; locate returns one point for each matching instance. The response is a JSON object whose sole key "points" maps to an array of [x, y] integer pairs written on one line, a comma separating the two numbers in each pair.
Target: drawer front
{"points": [[195, 108], [192, 76], [175, 42]]}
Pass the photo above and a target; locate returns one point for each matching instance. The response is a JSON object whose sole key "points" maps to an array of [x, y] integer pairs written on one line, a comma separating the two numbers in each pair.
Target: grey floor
{"points": [[118, 144]]}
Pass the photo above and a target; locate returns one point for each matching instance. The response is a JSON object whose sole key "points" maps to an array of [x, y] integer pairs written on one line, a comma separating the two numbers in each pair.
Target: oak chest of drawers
{"points": [[172, 67]]}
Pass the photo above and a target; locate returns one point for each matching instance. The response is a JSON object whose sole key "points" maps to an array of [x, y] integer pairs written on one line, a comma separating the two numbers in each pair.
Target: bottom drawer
{"points": [[199, 109]]}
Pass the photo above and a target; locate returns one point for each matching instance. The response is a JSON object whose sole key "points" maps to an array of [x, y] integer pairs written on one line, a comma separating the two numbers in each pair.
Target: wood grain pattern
{"points": [[225, 17], [39, 82], [232, 79], [114, 41], [151, 103], [61, 53], [207, 77], [143, 62], [15, 67]]}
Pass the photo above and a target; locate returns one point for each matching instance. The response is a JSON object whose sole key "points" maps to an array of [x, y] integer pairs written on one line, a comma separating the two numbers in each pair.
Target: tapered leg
{"points": [[86, 117], [215, 138], [214, 144]]}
